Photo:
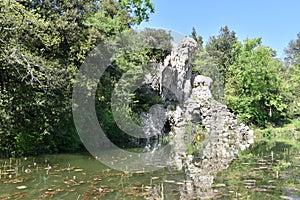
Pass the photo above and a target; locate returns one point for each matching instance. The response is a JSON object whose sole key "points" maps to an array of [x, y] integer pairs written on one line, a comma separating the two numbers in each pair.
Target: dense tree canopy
{"points": [[222, 49], [42, 45], [258, 87], [138, 49], [292, 76], [293, 51], [253, 87]]}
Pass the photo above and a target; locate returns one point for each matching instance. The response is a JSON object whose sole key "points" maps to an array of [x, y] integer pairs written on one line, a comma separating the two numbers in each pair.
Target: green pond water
{"points": [[255, 174]]}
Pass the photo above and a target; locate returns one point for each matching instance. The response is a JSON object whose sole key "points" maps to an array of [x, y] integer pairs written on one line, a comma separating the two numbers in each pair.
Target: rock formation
{"points": [[205, 136]]}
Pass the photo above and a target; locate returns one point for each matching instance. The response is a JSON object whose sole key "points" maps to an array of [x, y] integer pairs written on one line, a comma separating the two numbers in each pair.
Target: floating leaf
{"points": [[16, 181], [140, 172], [142, 194], [49, 193], [169, 181], [22, 187]]}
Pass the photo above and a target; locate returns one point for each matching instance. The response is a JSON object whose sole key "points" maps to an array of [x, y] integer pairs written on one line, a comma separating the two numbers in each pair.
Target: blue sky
{"points": [[277, 22]]}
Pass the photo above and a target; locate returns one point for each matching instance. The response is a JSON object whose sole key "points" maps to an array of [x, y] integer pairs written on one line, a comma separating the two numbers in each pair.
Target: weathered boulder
{"points": [[177, 71], [200, 80]]}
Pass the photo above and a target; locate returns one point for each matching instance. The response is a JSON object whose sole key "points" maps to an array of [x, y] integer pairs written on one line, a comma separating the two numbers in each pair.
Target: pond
{"points": [[254, 174], [264, 171]]}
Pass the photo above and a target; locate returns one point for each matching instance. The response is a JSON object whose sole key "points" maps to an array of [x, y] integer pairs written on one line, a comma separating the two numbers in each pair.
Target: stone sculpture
{"points": [[196, 112]]}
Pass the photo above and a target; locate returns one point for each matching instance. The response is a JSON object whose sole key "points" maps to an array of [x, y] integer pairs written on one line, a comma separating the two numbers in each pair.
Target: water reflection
{"points": [[254, 174]]}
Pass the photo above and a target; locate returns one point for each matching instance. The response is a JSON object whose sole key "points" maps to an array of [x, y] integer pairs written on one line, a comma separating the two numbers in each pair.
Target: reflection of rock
{"points": [[153, 122], [225, 136], [195, 111]]}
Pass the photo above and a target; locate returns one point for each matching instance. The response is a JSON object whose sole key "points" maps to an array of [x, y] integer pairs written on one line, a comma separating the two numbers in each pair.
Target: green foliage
{"points": [[253, 88], [139, 9], [195, 136], [189, 133], [110, 21], [214, 60], [291, 77], [205, 65], [275, 136], [136, 51], [42, 45], [223, 49], [297, 125], [143, 99], [158, 43], [293, 51], [190, 149], [197, 38]]}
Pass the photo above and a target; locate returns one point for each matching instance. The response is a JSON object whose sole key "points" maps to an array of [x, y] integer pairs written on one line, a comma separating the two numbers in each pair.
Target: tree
{"points": [[291, 77], [253, 89], [292, 87], [205, 65], [29, 80], [42, 46], [138, 49], [197, 38], [293, 51], [139, 9], [223, 49]]}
